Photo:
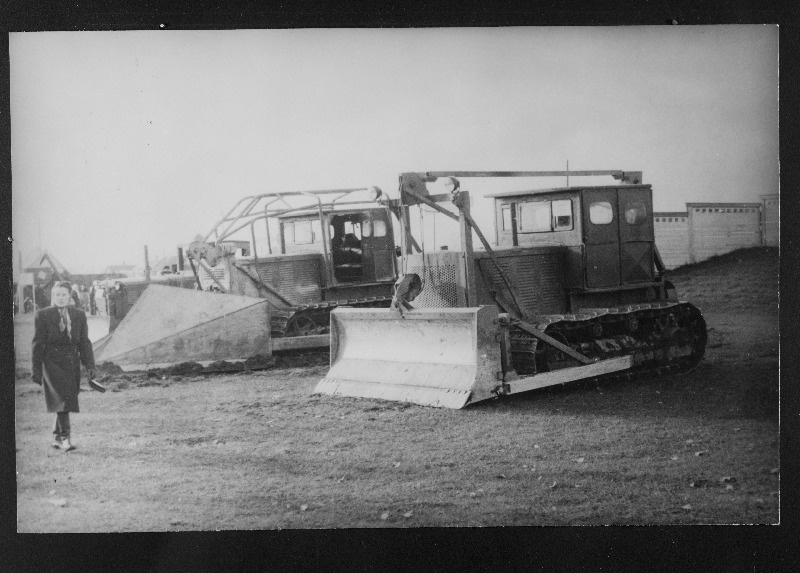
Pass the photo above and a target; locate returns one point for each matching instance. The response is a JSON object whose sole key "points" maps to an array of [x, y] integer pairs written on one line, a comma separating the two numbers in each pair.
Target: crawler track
{"points": [[661, 336], [309, 319]]}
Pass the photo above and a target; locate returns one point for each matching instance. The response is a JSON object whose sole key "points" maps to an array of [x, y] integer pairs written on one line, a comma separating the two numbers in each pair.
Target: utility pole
{"points": [[468, 269], [146, 265]]}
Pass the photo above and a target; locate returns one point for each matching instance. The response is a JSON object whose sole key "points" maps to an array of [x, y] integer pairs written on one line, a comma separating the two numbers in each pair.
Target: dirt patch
{"points": [[256, 450], [258, 362]]}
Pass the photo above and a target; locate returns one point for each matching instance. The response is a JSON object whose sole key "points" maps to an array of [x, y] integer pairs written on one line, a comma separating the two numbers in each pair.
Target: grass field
{"points": [[256, 450]]}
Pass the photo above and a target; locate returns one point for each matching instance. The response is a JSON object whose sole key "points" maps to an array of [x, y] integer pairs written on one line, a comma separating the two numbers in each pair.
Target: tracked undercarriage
{"points": [[311, 319], [661, 337]]}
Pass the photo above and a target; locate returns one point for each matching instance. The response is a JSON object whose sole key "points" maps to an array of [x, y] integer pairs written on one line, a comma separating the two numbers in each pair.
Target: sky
{"points": [[132, 138]]}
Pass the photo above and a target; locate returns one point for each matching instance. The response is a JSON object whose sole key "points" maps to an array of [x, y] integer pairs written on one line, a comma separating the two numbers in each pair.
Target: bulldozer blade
{"points": [[169, 326], [444, 357]]}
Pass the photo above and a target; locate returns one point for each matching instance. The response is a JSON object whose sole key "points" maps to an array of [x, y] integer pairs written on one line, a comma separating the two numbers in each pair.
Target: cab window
{"points": [[506, 217], [601, 213], [562, 215], [353, 229], [542, 216], [374, 228], [534, 217], [635, 212], [302, 234]]}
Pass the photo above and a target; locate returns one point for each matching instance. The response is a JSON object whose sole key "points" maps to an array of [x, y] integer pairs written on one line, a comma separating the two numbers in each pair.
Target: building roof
{"points": [[722, 205], [119, 268], [46, 260], [163, 262]]}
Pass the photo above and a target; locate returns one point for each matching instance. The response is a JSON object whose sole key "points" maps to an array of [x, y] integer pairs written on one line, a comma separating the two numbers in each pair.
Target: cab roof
{"points": [[314, 212], [565, 190]]}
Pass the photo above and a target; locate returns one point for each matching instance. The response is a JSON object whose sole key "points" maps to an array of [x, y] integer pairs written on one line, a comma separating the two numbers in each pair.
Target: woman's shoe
{"points": [[66, 445], [56, 442]]}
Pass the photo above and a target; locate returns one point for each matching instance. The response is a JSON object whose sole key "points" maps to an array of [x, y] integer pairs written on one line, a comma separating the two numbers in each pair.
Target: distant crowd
{"points": [[100, 299]]}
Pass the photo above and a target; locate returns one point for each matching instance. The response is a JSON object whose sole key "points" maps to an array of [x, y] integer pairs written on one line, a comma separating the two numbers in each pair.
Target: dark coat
{"points": [[57, 359]]}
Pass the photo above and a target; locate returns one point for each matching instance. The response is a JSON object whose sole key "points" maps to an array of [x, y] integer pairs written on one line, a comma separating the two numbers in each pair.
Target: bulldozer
{"points": [[575, 289], [324, 249]]}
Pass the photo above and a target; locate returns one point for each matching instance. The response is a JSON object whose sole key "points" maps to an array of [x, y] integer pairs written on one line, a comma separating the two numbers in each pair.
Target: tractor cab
{"points": [[607, 231], [358, 242], [304, 247]]}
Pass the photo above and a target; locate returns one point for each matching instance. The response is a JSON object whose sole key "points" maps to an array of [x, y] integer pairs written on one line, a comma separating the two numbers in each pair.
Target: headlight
{"points": [[451, 185]]}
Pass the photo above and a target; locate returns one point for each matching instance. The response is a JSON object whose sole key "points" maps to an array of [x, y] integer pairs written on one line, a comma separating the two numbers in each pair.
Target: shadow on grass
{"points": [[732, 390]]}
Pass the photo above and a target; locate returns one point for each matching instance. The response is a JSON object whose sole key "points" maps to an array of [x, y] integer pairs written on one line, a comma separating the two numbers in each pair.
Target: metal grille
{"points": [[522, 273], [440, 287], [284, 276], [220, 272], [536, 278], [269, 273], [306, 286], [297, 279], [551, 285]]}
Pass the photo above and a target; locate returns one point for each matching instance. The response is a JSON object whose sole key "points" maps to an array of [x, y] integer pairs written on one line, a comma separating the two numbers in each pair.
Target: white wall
{"points": [[716, 229], [771, 220], [672, 238]]}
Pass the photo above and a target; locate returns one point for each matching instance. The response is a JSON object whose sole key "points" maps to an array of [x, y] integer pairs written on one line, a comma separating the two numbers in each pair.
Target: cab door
{"points": [[378, 240], [601, 237], [636, 238]]}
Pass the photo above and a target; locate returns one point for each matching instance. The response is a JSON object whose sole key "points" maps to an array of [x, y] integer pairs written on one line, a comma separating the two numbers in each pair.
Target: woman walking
{"points": [[60, 344]]}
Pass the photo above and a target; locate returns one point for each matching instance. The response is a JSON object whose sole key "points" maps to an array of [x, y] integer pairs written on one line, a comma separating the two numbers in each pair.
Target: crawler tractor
{"points": [[323, 249], [333, 247], [574, 290]]}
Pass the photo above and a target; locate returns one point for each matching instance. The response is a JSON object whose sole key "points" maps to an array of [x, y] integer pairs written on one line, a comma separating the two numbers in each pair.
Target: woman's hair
{"points": [[63, 284]]}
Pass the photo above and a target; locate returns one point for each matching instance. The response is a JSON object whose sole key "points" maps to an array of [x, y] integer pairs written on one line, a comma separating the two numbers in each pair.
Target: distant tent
{"points": [[46, 261], [46, 269]]}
